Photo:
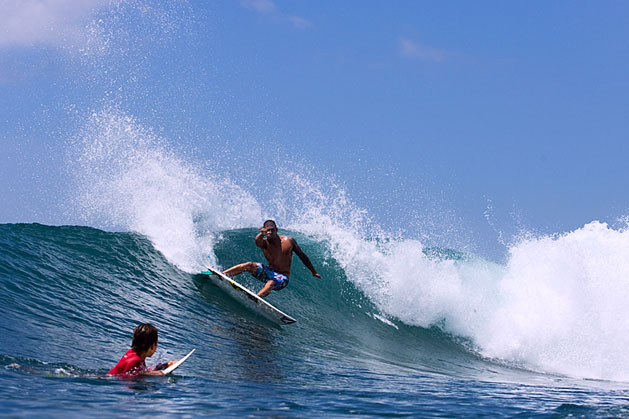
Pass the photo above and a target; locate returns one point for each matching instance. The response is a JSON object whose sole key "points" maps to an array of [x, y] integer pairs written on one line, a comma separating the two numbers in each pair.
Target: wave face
{"points": [[90, 287]]}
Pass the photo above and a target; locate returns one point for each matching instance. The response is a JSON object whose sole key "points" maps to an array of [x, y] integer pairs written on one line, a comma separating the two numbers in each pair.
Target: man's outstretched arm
{"points": [[304, 258]]}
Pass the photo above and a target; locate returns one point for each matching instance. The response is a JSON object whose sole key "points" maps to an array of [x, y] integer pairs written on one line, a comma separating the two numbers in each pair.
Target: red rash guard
{"points": [[130, 364]]}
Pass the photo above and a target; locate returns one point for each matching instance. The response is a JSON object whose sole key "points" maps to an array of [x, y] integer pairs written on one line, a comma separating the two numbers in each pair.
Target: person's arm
{"points": [[158, 369], [304, 258], [153, 373], [261, 238]]}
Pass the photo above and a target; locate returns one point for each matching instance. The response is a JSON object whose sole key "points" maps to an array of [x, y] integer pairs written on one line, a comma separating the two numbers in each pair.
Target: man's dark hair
{"points": [[144, 336], [269, 221]]}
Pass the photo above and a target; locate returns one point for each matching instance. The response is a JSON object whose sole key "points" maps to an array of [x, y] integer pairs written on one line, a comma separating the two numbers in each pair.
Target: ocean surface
{"points": [[446, 338]]}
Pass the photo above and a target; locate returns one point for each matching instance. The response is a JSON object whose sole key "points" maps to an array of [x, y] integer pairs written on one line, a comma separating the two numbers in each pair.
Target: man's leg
{"points": [[268, 287], [250, 267]]}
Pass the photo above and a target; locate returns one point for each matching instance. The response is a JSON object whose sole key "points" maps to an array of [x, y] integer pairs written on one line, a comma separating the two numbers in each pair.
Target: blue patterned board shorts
{"points": [[265, 274]]}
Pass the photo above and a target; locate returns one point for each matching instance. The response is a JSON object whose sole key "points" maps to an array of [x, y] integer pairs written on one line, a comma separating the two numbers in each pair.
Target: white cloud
{"points": [[45, 22], [261, 6], [299, 22], [267, 7], [413, 49]]}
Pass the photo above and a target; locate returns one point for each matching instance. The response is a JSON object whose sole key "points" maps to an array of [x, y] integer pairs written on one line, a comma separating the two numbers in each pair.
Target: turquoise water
{"points": [[71, 296]]}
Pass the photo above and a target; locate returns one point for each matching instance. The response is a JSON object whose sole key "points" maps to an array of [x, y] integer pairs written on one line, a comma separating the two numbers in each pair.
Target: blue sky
{"points": [[487, 116]]}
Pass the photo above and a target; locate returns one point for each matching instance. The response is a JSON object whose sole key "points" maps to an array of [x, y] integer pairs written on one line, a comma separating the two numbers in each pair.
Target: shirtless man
{"points": [[278, 251]]}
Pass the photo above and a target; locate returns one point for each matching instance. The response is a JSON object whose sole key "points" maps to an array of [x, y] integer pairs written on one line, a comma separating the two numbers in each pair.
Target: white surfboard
{"points": [[174, 366], [248, 298]]}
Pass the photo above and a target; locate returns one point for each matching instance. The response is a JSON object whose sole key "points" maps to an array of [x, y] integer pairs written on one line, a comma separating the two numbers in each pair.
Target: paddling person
{"points": [[278, 251], [143, 346]]}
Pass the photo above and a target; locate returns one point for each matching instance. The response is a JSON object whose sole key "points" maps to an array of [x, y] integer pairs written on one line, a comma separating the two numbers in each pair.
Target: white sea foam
{"points": [[559, 305], [563, 304], [127, 178]]}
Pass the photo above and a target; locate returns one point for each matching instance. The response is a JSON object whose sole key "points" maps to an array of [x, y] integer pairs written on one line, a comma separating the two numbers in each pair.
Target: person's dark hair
{"points": [[144, 336], [269, 221]]}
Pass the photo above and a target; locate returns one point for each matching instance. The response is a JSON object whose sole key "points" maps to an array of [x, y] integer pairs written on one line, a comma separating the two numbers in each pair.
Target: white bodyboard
{"points": [[174, 366], [248, 298]]}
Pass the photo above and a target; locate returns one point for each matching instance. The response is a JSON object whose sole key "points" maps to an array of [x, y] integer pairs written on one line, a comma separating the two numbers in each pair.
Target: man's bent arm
{"points": [[260, 241], [304, 258]]}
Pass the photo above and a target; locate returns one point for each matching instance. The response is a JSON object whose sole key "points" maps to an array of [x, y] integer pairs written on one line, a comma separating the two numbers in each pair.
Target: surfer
{"points": [[278, 251], [143, 346]]}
